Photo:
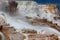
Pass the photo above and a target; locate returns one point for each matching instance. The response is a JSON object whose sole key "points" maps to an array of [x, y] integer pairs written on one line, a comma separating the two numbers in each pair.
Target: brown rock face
{"points": [[42, 37], [11, 34], [28, 31], [13, 4], [36, 36], [12, 7]]}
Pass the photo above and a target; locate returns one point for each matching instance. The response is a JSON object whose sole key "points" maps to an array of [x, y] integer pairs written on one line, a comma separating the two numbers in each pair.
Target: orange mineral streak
{"points": [[10, 33], [49, 7]]}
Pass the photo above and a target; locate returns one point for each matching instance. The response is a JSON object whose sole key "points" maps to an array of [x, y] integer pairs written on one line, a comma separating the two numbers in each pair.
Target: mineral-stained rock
{"points": [[33, 13], [28, 31], [42, 37], [11, 34]]}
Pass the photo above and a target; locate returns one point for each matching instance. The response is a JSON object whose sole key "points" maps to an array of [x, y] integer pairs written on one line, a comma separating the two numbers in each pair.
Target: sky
{"points": [[48, 1]]}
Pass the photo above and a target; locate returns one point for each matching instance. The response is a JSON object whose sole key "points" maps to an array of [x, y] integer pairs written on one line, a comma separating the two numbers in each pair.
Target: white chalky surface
{"points": [[31, 9]]}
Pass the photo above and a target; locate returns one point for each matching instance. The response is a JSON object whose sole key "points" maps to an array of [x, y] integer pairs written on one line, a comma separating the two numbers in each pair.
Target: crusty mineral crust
{"points": [[46, 22], [11, 33], [36, 36], [42, 37], [29, 31]]}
